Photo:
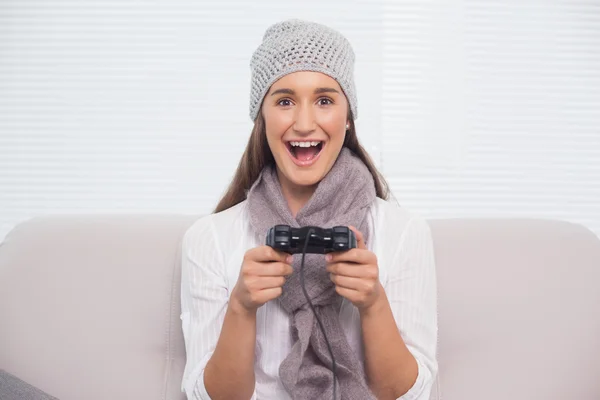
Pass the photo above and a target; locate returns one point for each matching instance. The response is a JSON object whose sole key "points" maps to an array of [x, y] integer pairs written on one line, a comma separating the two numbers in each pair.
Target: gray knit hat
{"points": [[296, 45]]}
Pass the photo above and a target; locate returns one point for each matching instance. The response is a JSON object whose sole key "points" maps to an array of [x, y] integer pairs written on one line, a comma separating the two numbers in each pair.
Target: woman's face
{"points": [[305, 117]]}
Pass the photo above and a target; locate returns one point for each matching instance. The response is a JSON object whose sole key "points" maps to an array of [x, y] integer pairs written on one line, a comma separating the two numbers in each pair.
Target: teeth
{"points": [[304, 144]]}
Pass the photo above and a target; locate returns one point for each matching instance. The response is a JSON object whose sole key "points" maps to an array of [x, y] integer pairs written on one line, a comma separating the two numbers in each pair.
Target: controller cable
{"points": [[315, 314]]}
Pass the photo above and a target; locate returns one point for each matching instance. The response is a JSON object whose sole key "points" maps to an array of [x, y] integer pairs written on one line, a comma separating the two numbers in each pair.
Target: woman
{"points": [[249, 331]]}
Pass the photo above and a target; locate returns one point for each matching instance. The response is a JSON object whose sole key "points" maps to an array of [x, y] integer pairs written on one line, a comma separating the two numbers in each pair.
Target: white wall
{"points": [[470, 108]]}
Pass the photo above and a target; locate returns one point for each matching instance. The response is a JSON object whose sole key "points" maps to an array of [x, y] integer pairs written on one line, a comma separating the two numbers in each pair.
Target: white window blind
{"points": [[492, 108], [128, 106], [471, 108]]}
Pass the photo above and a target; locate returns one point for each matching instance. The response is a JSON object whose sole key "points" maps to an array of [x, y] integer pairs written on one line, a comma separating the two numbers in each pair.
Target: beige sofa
{"points": [[89, 308]]}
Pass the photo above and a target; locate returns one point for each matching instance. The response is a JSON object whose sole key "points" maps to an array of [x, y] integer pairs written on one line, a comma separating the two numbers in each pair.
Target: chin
{"points": [[306, 179], [302, 177]]}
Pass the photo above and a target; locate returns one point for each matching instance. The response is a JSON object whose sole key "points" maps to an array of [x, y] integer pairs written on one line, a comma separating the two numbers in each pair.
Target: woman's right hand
{"points": [[264, 271]]}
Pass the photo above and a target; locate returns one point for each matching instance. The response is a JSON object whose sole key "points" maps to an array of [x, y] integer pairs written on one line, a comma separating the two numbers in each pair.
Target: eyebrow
{"points": [[317, 91]]}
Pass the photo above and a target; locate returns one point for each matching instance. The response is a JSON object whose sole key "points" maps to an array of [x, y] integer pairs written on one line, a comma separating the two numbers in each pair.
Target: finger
{"points": [[267, 253], [350, 294], [353, 270], [349, 282], [358, 256], [262, 296], [360, 239], [265, 282], [271, 269]]}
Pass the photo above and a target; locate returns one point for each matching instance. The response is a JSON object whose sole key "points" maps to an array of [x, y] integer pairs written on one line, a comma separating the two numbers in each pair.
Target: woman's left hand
{"points": [[355, 274]]}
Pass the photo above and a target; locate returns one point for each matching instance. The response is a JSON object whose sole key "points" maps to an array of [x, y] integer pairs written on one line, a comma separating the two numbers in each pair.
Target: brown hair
{"points": [[258, 155]]}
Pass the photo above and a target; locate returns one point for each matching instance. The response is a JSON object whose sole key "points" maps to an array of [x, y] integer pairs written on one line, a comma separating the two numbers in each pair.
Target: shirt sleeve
{"points": [[412, 292], [204, 301]]}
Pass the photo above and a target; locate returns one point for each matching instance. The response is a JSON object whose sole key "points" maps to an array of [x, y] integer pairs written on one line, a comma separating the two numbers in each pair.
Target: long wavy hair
{"points": [[258, 155]]}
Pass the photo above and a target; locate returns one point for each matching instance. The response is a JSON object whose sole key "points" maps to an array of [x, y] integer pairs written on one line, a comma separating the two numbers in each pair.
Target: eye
{"points": [[328, 100], [284, 105]]}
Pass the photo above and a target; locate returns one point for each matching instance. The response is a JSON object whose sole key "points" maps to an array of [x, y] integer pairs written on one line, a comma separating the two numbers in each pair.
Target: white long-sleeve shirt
{"points": [[212, 252]]}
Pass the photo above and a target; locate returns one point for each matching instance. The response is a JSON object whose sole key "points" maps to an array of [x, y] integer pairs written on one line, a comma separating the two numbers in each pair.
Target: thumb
{"points": [[360, 239]]}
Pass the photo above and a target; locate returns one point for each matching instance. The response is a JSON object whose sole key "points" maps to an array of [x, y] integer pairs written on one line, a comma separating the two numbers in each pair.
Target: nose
{"points": [[304, 122]]}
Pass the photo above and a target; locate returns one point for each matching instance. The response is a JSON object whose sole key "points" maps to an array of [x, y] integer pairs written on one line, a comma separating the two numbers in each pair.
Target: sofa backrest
{"points": [[519, 309], [89, 306]]}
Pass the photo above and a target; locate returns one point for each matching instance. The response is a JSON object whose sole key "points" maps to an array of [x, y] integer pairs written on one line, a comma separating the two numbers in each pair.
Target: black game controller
{"points": [[321, 241]]}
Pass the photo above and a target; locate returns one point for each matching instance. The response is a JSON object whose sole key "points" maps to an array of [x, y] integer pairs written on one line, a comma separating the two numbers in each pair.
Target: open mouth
{"points": [[304, 151]]}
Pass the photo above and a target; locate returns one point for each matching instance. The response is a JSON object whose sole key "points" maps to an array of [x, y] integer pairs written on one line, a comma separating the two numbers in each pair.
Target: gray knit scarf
{"points": [[343, 197]]}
